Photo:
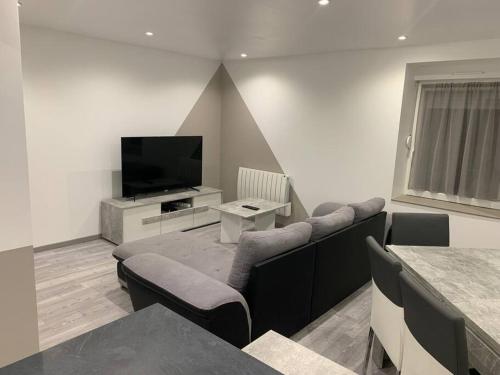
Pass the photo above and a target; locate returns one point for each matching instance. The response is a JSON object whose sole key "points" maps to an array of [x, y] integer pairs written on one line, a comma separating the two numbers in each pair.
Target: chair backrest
{"points": [[420, 229], [254, 183], [386, 317], [385, 271], [434, 340]]}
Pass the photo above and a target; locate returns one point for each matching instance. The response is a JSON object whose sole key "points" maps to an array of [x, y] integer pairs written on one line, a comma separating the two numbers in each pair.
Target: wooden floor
{"points": [[78, 290], [341, 334]]}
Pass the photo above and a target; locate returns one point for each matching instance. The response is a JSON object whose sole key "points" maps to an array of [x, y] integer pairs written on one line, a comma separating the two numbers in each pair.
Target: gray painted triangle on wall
{"points": [[244, 145], [205, 120], [231, 139]]}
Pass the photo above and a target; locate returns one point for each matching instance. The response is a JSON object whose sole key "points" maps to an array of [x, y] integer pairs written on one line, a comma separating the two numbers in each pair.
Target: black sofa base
{"points": [[342, 264], [279, 292]]}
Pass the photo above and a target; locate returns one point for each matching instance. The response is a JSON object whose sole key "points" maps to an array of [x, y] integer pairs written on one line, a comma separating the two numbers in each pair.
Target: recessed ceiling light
{"points": [[402, 37], [323, 2], [149, 33], [244, 55], [19, 4]]}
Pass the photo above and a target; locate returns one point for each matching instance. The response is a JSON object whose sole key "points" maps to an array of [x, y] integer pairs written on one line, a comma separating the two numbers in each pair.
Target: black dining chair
{"points": [[434, 339], [386, 319], [419, 229]]}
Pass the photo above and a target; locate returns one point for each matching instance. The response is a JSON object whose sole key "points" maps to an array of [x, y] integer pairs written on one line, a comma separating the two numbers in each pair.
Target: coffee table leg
{"points": [[265, 222], [231, 228]]}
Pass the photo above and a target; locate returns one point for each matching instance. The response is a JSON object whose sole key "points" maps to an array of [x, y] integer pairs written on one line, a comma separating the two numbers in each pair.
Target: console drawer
{"points": [[133, 225], [203, 214]]}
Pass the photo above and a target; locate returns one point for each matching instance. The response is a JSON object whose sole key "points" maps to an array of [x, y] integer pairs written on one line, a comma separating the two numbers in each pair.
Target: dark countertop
{"points": [[153, 341]]}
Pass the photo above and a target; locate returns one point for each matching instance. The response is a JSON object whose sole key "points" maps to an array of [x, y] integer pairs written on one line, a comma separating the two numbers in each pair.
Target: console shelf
{"points": [[124, 220]]}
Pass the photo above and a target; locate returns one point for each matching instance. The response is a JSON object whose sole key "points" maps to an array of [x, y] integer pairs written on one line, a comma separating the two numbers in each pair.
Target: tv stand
{"points": [[124, 220], [160, 193]]}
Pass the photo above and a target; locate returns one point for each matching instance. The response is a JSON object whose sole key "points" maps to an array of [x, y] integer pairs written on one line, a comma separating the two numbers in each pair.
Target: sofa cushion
{"points": [[331, 223], [187, 284], [326, 208], [261, 245], [207, 257], [368, 208]]}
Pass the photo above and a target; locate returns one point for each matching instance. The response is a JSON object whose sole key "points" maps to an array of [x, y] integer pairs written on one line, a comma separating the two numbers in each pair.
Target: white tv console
{"points": [[125, 219]]}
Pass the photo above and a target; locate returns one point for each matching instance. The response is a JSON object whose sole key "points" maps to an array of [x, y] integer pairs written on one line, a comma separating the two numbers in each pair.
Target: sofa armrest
{"points": [[215, 306]]}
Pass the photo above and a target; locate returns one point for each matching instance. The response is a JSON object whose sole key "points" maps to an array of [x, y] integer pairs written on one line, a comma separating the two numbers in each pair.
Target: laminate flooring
{"points": [[341, 334], [78, 291]]}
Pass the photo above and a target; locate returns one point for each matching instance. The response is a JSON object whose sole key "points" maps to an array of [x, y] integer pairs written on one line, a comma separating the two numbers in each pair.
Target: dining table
{"points": [[467, 280]]}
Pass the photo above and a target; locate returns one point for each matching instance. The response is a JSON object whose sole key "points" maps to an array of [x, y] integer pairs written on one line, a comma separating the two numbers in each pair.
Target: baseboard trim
{"points": [[201, 226], [76, 241], [22, 248]]}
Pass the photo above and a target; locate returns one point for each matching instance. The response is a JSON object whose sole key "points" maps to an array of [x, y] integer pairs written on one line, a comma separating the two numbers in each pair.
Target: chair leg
{"points": [[379, 355], [368, 350]]}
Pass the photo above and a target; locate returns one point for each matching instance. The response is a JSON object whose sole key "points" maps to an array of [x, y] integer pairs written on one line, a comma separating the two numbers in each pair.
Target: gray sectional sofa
{"points": [[274, 280]]}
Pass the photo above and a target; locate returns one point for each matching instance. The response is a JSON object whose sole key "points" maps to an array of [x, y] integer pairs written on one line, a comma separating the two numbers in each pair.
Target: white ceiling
{"points": [[222, 29]]}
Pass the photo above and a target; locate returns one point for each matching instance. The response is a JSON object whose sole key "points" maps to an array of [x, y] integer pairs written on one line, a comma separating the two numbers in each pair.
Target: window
{"points": [[455, 153]]}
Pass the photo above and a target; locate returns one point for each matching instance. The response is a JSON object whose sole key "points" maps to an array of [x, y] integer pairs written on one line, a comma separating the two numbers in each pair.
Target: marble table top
{"points": [[467, 279], [141, 201], [291, 358], [153, 341], [235, 208]]}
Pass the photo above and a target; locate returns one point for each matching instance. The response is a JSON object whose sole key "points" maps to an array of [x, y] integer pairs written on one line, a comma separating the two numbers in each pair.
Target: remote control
{"points": [[251, 207]]}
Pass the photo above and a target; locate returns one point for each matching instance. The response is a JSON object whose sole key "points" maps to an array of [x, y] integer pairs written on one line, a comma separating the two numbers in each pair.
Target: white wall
{"points": [[14, 188], [81, 96], [18, 318], [332, 121]]}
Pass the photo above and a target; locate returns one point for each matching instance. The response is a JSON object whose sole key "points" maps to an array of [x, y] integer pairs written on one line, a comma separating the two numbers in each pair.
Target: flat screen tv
{"points": [[158, 164]]}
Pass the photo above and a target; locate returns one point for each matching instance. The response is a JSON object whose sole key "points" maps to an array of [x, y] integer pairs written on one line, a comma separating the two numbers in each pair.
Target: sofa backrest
{"points": [[279, 292], [367, 209], [261, 245], [333, 222], [288, 291], [342, 262]]}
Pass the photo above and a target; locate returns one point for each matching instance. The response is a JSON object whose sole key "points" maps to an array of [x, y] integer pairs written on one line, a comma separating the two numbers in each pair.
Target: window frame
{"points": [[410, 144]]}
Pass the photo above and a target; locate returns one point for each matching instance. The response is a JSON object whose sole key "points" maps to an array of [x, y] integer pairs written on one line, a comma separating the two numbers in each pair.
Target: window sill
{"points": [[450, 206]]}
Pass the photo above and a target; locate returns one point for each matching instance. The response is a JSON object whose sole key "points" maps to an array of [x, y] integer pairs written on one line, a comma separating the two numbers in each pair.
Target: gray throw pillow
{"points": [[366, 209], [328, 224], [257, 246], [326, 208]]}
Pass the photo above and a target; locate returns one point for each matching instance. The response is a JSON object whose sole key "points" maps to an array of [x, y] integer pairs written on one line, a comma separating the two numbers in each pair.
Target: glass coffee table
{"points": [[234, 215]]}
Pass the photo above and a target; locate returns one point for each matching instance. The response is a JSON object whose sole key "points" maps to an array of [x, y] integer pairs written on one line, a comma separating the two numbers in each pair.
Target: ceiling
{"points": [[222, 29]]}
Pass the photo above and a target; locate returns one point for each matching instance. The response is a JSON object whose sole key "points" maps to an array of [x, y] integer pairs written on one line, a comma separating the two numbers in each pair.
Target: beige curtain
{"points": [[457, 145]]}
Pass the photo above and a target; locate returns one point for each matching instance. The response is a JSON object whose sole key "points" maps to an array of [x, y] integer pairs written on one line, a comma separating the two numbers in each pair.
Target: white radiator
{"points": [[253, 183]]}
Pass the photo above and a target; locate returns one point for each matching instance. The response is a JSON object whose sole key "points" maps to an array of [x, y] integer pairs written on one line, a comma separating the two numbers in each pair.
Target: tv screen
{"points": [[156, 164]]}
